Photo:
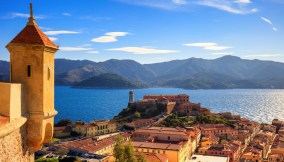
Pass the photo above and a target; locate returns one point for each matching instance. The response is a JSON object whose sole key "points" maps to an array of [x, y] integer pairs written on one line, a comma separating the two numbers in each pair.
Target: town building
{"points": [[230, 150], [156, 157], [96, 127], [91, 145], [174, 143], [208, 158], [278, 123], [217, 130], [27, 101], [138, 124], [171, 98], [62, 132]]}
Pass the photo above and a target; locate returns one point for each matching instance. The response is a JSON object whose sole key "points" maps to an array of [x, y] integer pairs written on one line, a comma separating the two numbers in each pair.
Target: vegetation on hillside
{"points": [[108, 80], [182, 121], [132, 113], [63, 122], [175, 121]]}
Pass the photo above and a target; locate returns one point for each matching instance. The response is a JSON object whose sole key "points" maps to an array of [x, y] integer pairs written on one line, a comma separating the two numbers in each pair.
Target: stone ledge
{"points": [[8, 128]]}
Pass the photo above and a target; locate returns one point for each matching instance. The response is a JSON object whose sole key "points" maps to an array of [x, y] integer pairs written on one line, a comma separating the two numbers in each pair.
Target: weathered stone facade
{"points": [[13, 147]]}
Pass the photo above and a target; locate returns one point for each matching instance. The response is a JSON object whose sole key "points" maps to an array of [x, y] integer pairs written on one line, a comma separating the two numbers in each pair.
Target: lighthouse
{"points": [[131, 96]]}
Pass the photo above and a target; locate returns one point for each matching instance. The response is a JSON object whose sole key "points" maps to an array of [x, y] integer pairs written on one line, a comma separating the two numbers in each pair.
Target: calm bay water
{"points": [[89, 104]]}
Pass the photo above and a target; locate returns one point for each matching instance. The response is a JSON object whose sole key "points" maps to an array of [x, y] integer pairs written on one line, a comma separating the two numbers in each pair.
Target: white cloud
{"points": [[86, 45], [53, 38], [109, 37], [243, 1], [200, 44], [269, 22], [66, 14], [217, 48], [179, 2], [116, 34], [142, 50], [44, 28], [265, 55], [266, 20], [22, 15], [222, 53], [254, 10], [208, 46], [94, 52], [58, 32], [275, 29], [75, 49], [232, 6], [104, 39], [229, 6]]}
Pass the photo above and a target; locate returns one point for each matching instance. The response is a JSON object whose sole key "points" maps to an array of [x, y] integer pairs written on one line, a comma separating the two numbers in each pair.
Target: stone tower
{"points": [[32, 65], [131, 96]]}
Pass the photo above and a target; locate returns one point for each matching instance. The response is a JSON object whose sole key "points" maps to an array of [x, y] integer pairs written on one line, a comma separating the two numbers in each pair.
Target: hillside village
{"points": [[175, 130]]}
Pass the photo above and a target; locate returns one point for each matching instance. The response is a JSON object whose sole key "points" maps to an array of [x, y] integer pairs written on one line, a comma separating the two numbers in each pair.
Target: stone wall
{"points": [[13, 147]]}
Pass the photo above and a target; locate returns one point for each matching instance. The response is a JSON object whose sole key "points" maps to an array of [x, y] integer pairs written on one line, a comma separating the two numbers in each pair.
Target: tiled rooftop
{"points": [[156, 158], [31, 34], [164, 146]]}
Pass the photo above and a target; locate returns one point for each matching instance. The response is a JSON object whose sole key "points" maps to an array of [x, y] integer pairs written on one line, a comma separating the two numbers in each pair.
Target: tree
{"points": [[63, 122], [124, 153], [129, 153], [119, 150], [47, 160], [137, 114], [141, 158]]}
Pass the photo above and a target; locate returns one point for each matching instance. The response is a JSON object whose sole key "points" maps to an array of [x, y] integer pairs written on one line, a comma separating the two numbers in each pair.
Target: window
{"points": [[29, 71], [169, 137], [48, 73]]}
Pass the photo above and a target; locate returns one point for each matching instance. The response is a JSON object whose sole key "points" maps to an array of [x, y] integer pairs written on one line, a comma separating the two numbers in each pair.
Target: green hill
{"points": [[108, 80]]}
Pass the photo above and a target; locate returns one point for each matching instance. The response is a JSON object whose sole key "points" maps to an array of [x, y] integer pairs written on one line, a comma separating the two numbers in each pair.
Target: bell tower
{"points": [[32, 64]]}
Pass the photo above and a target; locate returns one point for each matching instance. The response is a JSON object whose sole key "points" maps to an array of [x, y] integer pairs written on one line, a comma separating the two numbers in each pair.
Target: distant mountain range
{"points": [[193, 73]]}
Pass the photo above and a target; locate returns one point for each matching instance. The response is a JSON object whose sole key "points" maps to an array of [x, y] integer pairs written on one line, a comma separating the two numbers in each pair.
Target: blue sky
{"points": [[151, 31]]}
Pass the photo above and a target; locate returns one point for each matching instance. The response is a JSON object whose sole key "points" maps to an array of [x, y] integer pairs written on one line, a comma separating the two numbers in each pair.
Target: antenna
{"points": [[31, 18], [31, 10]]}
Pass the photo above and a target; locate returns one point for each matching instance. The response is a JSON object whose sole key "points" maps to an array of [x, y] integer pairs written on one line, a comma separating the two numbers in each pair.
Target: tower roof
{"points": [[31, 34]]}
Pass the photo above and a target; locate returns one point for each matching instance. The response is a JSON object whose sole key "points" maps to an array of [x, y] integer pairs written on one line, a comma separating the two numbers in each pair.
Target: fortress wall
{"points": [[13, 147]]}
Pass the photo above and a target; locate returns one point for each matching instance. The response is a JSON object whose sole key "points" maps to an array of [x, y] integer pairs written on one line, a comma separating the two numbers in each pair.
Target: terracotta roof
{"points": [[164, 146], [31, 34], [91, 145], [156, 157]]}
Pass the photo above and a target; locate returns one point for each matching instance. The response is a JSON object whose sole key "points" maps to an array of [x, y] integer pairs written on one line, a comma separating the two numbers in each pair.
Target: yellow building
{"points": [[175, 143], [96, 127], [174, 152], [27, 103]]}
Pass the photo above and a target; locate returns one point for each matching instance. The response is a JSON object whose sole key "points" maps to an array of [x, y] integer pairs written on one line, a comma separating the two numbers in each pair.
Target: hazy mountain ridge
{"points": [[192, 73]]}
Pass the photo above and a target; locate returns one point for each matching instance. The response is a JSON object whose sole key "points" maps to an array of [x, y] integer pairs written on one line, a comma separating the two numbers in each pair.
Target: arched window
{"points": [[29, 70]]}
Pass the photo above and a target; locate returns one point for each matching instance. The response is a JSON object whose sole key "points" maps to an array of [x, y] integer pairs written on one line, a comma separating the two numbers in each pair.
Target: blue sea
{"points": [[89, 104]]}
